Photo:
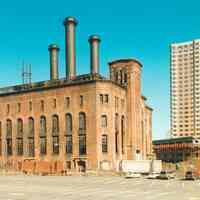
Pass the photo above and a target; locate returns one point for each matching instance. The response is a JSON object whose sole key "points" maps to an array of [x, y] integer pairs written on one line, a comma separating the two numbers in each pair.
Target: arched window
{"points": [[19, 128], [42, 105], [104, 121], [19, 138], [31, 128], [55, 134], [116, 76], [122, 133], [9, 137], [82, 121], [30, 106], [55, 125], [121, 76], [43, 137], [116, 132], [116, 122], [125, 77], [68, 124], [43, 126], [82, 133], [69, 142], [31, 139]]}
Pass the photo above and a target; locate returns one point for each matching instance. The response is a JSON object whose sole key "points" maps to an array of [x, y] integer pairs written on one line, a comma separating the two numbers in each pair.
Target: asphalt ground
{"points": [[24, 187]]}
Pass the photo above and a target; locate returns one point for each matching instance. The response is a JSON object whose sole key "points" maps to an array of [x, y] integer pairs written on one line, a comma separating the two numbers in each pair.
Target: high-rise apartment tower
{"points": [[185, 89]]}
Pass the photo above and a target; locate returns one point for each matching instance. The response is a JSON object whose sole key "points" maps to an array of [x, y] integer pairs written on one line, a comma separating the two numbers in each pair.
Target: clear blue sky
{"points": [[129, 28]]}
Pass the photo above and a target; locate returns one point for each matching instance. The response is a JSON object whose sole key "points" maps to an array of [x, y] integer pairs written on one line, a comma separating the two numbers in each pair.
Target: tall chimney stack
{"points": [[94, 41], [53, 52], [70, 24]]}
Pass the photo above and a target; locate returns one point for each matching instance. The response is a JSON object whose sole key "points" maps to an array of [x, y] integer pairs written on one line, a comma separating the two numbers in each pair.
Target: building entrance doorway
{"points": [[81, 166]]}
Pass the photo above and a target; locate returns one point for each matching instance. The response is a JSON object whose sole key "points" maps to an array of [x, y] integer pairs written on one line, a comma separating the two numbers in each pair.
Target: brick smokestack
{"points": [[53, 54], [94, 41], [70, 25]]}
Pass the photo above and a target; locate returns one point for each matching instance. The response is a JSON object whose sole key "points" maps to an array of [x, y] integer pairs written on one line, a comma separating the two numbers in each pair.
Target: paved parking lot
{"points": [[95, 188]]}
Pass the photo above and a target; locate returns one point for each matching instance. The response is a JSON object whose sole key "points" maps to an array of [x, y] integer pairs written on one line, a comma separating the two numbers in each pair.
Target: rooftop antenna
{"points": [[29, 74], [26, 73], [23, 73]]}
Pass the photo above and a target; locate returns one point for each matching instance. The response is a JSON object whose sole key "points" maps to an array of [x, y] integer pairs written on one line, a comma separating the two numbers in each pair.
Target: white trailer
{"points": [[136, 166], [141, 166]]}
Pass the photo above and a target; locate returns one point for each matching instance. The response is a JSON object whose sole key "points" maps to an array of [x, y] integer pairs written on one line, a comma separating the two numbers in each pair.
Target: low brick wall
{"points": [[31, 166]]}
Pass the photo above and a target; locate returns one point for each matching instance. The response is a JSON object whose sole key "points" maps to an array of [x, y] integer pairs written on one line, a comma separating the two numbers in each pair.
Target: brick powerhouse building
{"points": [[79, 122]]}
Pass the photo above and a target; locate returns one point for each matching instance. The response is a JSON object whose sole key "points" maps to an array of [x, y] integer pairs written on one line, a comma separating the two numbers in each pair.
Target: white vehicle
{"points": [[152, 176], [132, 175]]}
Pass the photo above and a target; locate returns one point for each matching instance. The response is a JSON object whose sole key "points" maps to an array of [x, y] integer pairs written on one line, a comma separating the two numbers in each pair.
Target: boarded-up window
{"points": [[31, 139], [82, 133], [122, 133], [103, 121], [55, 134], [9, 137], [55, 145], [116, 132], [19, 138], [69, 142], [104, 143], [43, 135]]}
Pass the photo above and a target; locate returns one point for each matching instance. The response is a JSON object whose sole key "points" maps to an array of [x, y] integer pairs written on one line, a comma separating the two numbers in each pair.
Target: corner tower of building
{"points": [[127, 72]]}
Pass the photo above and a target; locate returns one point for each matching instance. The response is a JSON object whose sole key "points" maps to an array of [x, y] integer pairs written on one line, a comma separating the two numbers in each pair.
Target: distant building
{"points": [[85, 122], [176, 150], [185, 89]]}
